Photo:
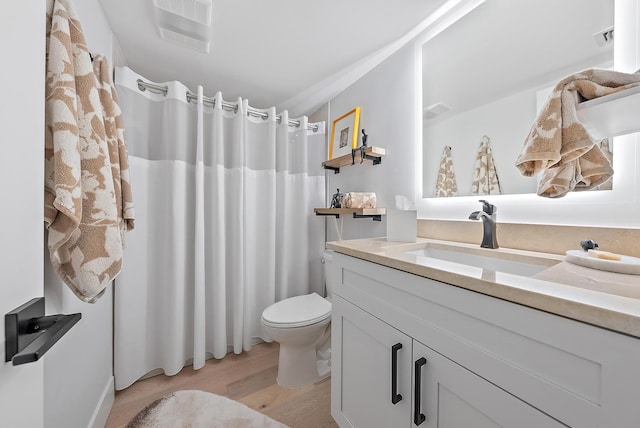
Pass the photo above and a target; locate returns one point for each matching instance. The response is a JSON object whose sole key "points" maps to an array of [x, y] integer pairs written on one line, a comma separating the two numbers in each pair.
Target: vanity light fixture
{"points": [[185, 22]]}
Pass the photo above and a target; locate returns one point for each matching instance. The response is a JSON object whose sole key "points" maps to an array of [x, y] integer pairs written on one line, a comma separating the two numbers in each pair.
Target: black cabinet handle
{"points": [[418, 416], [395, 397]]}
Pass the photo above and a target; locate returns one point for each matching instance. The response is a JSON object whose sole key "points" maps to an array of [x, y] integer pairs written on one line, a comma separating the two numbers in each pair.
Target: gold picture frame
{"points": [[344, 134]]}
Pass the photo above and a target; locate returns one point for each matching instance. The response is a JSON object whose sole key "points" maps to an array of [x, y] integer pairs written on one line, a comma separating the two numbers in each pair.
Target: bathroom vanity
{"points": [[498, 338]]}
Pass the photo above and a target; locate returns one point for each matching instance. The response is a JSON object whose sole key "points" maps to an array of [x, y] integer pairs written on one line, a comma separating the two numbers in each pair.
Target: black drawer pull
{"points": [[395, 397], [418, 416]]}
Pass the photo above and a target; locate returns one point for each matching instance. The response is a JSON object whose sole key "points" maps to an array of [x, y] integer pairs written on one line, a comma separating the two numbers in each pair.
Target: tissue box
{"points": [[402, 226]]}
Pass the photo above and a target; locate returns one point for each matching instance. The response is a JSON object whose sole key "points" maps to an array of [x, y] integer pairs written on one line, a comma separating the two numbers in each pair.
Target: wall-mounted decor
{"points": [[344, 134]]}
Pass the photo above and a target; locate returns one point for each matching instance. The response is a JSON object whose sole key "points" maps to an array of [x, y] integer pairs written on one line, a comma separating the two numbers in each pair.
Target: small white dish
{"points": [[628, 265]]}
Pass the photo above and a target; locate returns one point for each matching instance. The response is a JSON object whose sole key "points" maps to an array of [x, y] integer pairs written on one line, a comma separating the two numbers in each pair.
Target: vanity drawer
{"points": [[584, 376]]}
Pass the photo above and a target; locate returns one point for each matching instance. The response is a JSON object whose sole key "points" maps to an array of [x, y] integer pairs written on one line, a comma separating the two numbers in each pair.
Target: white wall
{"points": [[22, 174], [78, 379], [387, 96]]}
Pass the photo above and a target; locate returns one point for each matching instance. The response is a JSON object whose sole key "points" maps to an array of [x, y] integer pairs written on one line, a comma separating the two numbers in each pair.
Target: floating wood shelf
{"points": [[611, 115], [373, 213], [373, 154]]}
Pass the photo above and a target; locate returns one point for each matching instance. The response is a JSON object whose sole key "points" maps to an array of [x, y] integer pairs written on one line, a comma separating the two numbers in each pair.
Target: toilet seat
{"points": [[298, 311]]}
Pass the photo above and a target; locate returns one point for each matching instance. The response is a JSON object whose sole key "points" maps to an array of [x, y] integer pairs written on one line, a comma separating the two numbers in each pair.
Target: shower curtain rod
{"points": [[163, 89]]}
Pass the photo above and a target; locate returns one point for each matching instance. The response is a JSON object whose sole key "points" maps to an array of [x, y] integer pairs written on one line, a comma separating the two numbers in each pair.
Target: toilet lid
{"points": [[298, 311]]}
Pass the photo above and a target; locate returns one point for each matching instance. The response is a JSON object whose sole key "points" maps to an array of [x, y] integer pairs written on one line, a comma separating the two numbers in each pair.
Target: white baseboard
{"points": [[101, 413]]}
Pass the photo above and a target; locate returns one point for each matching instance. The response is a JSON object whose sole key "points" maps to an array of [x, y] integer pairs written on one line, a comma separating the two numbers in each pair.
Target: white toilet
{"points": [[302, 326]]}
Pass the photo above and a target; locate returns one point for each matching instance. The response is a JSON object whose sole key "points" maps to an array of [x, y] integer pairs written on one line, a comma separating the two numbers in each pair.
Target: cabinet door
{"points": [[367, 388], [451, 396]]}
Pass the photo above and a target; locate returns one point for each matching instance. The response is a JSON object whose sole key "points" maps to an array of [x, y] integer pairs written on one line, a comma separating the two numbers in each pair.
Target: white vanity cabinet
{"points": [[453, 397], [479, 361], [365, 384], [422, 387]]}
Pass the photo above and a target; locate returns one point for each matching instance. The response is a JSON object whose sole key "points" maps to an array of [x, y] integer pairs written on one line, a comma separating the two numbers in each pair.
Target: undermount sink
{"points": [[526, 266]]}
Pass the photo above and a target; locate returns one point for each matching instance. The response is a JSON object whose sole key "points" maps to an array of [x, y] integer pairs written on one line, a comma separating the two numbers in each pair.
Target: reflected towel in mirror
{"points": [[485, 174], [446, 184], [560, 145]]}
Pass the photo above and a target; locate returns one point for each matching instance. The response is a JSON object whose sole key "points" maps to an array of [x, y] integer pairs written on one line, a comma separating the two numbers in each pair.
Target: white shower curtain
{"points": [[224, 226]]}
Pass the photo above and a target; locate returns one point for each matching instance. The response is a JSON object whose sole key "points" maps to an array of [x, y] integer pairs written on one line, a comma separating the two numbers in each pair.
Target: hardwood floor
{"points": [[249, 378]]}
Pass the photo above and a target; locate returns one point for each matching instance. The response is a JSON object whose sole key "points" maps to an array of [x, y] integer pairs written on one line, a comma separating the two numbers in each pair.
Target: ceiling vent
{"points": [[185, 22], [604, 37], [436, 109]]}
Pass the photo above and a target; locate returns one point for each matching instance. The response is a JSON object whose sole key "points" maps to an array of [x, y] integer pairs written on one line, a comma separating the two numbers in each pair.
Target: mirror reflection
{"points": [[486, 76]]}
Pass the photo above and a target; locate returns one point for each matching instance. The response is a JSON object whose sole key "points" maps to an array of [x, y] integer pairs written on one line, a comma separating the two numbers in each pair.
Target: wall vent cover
{"points": [[184, 40], [195, 10], [436, 109], [604, 37], [185, 22]]}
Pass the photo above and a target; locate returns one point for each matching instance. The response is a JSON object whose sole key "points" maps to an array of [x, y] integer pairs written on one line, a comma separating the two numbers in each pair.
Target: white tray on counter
{"points": [[628, 265]]}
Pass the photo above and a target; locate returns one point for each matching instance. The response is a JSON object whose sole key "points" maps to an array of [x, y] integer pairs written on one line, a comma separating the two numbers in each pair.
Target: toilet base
{"points": [[299, 366]]}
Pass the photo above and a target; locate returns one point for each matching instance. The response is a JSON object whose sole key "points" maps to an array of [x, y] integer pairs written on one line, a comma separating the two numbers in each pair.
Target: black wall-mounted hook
{"points": [[29, 333]]}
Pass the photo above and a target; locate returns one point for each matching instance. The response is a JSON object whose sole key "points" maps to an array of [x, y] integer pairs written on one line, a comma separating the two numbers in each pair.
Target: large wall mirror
{"points": [[485, 76]]}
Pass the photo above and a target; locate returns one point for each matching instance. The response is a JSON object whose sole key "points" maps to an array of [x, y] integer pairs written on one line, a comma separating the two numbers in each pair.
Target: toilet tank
{"points": [[327, 260]]}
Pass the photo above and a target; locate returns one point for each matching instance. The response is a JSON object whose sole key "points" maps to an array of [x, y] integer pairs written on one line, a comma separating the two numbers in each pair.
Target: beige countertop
{"points": [[605, 299]]}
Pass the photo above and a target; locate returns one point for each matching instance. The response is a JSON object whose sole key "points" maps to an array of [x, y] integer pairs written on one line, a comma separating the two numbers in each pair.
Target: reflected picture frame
{"points": [[344, 134]]}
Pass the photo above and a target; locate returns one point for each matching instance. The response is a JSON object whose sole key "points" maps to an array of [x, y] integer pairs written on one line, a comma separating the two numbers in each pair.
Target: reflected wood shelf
{"points": [[611, 115], [373, 213], [373, 154]]}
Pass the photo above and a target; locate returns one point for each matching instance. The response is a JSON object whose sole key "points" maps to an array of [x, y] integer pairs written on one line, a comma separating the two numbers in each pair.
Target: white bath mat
{"points": [[200, 409]]}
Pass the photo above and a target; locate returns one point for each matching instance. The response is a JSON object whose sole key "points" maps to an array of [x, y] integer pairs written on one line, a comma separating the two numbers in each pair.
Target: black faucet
{"points": [[488, 217]]}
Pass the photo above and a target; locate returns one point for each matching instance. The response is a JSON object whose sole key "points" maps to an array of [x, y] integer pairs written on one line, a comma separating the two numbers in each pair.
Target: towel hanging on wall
{"points": [[80, 208], [559, 145], [485, 174], [446, 184], [114, 134]]}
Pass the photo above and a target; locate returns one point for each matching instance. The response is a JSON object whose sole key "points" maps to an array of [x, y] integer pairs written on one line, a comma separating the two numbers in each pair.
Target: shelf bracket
{"points": [[375, 159], [336, 170], [329, 214], [29, 333], [374, 217]]}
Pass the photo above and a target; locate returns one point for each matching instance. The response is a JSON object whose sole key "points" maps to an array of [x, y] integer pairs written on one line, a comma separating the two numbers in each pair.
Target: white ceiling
{"points": [[505, 46], [265, 51]]}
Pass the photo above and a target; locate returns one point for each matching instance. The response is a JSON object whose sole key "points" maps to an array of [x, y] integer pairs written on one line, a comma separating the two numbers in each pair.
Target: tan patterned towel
{"points": [[114, 131], [446, 183], [485, 175], [80, 211], [607, 148], [560, 144]]}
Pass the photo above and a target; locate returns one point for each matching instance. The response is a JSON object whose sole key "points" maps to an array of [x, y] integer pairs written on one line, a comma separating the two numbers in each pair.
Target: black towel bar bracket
{"points": [[29, 333]]}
